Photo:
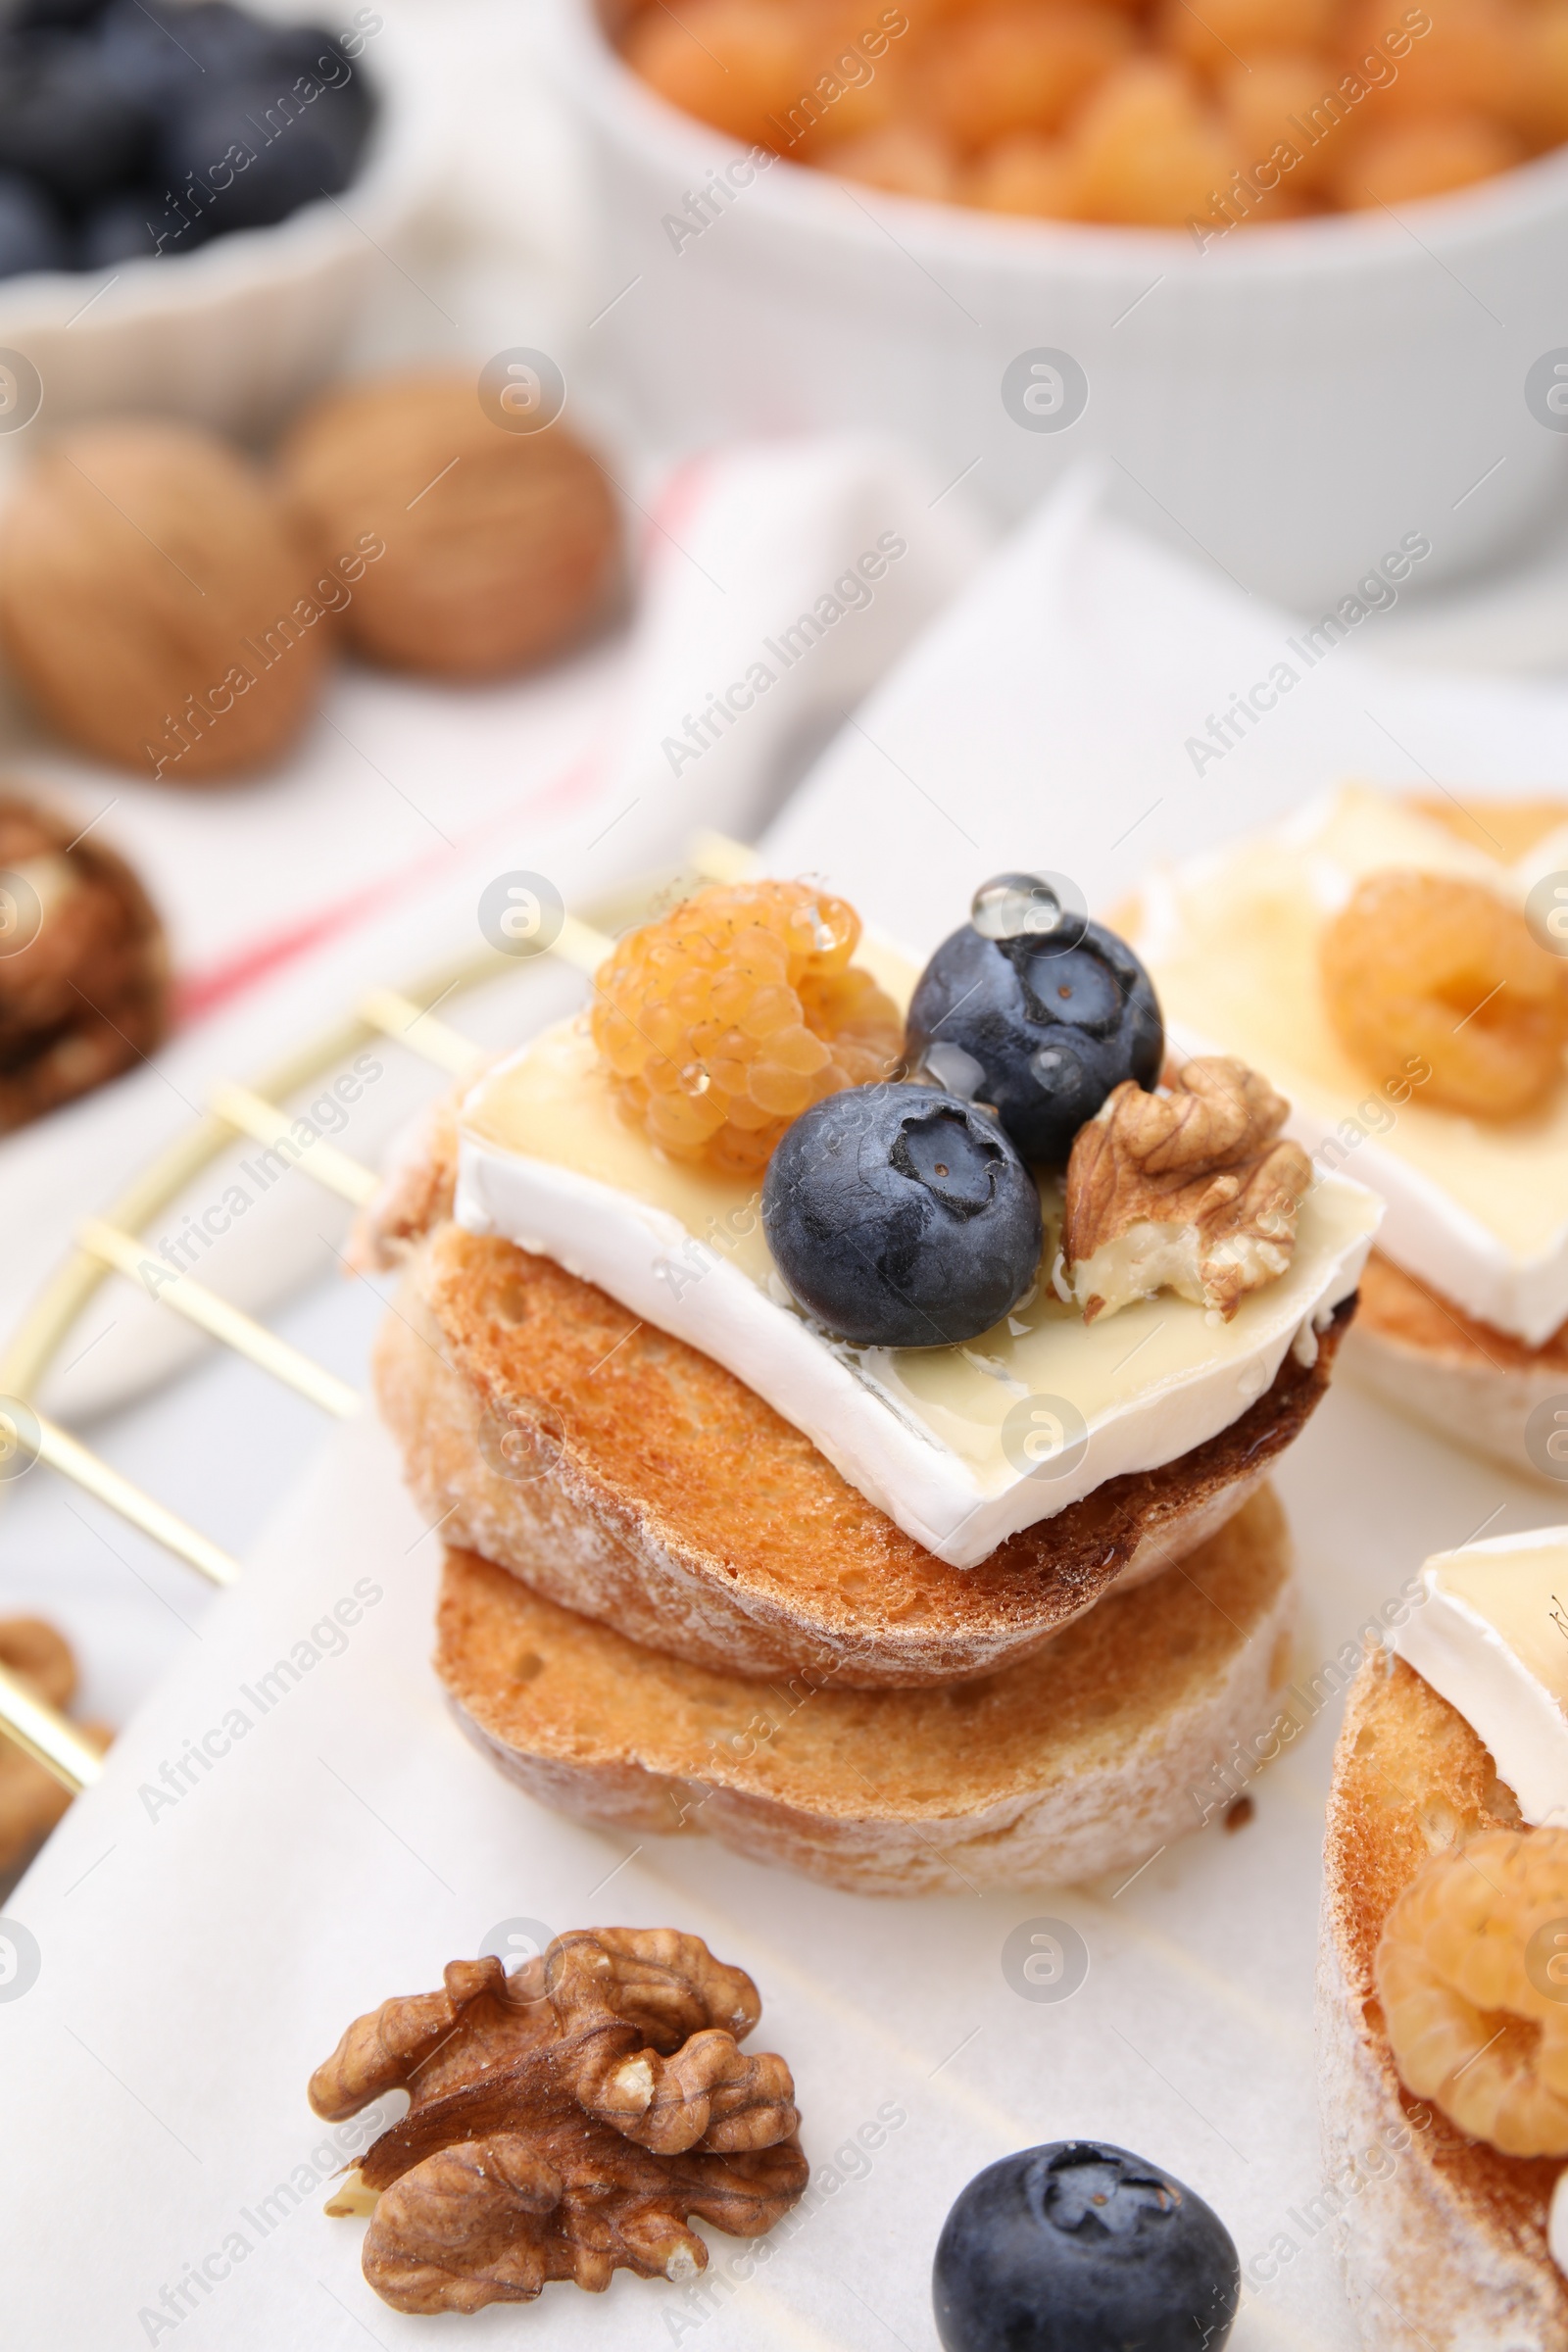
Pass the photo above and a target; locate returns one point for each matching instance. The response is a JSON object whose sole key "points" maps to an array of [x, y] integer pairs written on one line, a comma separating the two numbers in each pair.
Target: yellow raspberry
{"points": [[1426, 967], [724, 1020], [1472, 1971]]}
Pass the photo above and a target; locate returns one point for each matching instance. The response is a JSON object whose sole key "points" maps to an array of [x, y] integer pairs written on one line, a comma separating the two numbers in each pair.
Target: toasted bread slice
{"points": [[678, 1506], [1443, 2239], [1081, 1760], [1465, 1379]]}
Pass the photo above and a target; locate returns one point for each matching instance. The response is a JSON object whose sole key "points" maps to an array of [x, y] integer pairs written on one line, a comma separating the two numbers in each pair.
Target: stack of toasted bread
{"points": [[663, 1606]]}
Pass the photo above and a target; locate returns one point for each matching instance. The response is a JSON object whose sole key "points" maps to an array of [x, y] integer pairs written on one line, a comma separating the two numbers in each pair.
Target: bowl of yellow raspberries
{"points": [[1285, 268]]}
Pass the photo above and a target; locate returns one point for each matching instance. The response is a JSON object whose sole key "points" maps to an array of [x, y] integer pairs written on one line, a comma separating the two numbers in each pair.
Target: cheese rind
{"points": [[1490, 1635]]}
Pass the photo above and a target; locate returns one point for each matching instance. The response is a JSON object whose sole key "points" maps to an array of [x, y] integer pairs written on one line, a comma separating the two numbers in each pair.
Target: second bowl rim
{"points": [[1323, 244]]}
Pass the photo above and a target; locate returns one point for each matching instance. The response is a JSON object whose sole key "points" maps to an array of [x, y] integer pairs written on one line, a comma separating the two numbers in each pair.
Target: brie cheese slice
{"points": [[961, 1446], [1492, 1638]]}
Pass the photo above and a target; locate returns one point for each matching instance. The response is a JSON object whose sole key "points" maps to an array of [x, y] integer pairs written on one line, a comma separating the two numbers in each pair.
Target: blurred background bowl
{"points": [[1293, 401], [233, 334]]}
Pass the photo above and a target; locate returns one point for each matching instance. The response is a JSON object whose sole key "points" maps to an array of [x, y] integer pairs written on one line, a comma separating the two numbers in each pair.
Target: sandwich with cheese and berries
{"points": [[1443, 1987], [1400, 967], [795, 1338]]}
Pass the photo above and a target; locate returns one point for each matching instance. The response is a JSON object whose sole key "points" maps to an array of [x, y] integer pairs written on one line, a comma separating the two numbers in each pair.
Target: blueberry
{"points": [[1080, 2247], [65, 122], [145, 59], [901, 1217], [228, 41], [55, 16], [293, 50], [1037, 1012], [242, 159], [122, 228], [31, 234], [165, 53], [257, 151], [171, 54]]}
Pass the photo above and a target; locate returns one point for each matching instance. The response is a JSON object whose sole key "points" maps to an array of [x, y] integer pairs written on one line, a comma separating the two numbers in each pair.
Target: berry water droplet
{"points": [[830, 927], [1016, 906]]}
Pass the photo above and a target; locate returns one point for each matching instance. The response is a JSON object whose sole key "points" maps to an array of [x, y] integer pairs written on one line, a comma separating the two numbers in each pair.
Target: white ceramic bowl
{"points": [[1293, 401], [233, 334]]}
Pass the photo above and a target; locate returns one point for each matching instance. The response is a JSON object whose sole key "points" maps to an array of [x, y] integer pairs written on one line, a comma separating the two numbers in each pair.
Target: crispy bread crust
{"points": [[1408, 1314], [1078, 1761], [1447, 2250], [681, 1509], [1462, 1378]]}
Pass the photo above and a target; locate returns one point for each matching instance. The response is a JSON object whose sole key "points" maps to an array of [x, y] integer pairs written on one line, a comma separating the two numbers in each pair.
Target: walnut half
{"points": [[1190, 1189], [566, 2122], [83, 962]]}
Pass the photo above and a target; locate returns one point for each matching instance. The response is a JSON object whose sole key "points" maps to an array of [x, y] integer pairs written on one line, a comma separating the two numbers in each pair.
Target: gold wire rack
{"points": [[112, 1243]]}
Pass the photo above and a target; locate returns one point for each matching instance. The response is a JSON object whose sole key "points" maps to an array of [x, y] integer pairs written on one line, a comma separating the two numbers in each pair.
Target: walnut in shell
{"points": [[564, 2121], [154, 605], [498, 548], [83, 964], [1190, 1189]]}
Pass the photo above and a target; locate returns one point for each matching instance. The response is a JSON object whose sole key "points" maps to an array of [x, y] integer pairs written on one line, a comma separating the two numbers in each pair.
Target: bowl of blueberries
{"points": [[194, 199]]}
